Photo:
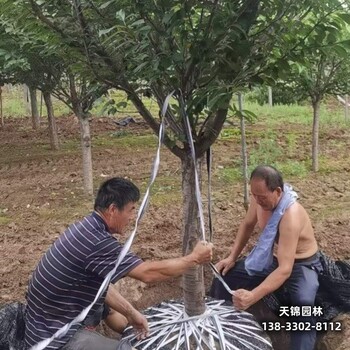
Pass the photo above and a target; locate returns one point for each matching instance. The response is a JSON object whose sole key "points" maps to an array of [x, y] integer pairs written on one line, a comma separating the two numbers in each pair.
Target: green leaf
{"points": [[120, 15], [105, 31], [249, 115], [137, 23], [345, 17], [345, 43], [140, 66], [106, 4], [341, 51]]}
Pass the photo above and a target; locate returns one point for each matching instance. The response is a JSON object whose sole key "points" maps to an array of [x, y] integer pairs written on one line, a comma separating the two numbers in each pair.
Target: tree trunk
{"points": [[26, 99], [87, 157], [41, 104], [244, 154], [269, 89], [85, 135], [315, 133], [193, 280], [34, 108], [52, 122], [346, 111]]}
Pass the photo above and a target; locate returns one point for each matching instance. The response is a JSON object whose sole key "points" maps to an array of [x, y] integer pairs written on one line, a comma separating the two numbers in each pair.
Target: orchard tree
{"points": [[205, 51], [42, 62], [323, 68], [80, 94], [26, 62]]}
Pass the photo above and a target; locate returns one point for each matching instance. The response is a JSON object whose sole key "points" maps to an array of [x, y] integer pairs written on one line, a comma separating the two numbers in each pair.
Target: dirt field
{"points": [[41, 194]]}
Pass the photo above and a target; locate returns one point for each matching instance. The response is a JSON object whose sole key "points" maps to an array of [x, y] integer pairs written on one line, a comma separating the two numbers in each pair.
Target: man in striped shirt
{"points": [[71, 272]]}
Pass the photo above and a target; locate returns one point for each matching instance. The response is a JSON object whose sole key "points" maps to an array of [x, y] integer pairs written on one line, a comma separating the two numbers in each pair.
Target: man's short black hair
{"points": [[272, 177], [118, 191]]}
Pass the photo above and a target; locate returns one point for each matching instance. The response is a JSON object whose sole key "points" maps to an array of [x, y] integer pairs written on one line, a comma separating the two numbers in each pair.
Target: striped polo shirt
{"points": [[68, 277]]}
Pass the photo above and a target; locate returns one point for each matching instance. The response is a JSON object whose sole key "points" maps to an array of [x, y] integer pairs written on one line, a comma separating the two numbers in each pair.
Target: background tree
{"points": [[79, 94], [54, 69], [320, 68], [203, 50], [26, 62]]}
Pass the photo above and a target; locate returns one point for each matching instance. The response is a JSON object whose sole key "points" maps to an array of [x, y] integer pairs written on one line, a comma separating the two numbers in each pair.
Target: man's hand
{"points": [[243, 299], [203, 252], [139, 323], [225, 265]]}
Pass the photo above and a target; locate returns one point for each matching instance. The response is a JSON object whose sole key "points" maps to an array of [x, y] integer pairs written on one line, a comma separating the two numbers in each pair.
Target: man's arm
{"points": [[117, 302], [289, 229], [153, 271], [244, 232]]}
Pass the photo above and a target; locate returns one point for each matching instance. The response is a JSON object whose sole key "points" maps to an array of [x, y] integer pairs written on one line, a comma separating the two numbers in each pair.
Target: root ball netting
{"points": [[220, 327]]}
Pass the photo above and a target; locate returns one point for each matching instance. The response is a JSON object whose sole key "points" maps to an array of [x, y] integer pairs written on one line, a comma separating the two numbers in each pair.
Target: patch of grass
{"points": [[166, 189], [230, 174], [166, 184], [293, 168], [121, 97], [4, 220], [289, 169], [334, 210], [266, 152], [164, 198], [328, 165], [128, 140], [71, 145], [230, 133], [295, 114], [121, 133], [14, 104], [292, 139]]}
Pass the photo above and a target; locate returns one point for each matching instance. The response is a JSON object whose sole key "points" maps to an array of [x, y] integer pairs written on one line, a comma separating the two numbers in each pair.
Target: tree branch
{"points": [[147, 116], [211, 132]]}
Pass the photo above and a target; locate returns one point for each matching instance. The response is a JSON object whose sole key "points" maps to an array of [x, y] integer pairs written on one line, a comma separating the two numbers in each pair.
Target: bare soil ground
{"points": [[41, 194]]}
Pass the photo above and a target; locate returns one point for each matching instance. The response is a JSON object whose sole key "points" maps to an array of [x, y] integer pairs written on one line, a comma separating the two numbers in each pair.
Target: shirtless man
{"points": [[295, 264]]}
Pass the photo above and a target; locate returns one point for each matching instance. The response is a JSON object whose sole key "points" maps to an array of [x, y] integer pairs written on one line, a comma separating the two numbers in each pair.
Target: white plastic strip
{"points": [[219, 327], [62, 331], [196, 177], [198, 192]]}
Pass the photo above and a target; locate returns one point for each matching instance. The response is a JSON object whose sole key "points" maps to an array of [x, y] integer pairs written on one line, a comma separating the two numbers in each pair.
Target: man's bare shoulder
{"points": [[295, 215], [295, 209]]}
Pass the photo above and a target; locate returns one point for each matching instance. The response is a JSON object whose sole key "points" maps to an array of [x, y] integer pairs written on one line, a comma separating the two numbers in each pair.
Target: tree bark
{"points": [[315, 133], [86, 152], [52, 122], [26, 99], [34, 108], [269, 89], [147, 116], [346, 111], [85, 135], [244, 154], [193, 280]]}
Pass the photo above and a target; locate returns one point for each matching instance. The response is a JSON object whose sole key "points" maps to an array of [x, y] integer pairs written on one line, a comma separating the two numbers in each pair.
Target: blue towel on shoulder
{"points": [[261, 257]]}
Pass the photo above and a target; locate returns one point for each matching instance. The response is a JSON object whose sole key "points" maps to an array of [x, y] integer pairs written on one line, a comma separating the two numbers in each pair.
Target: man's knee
{"points": [[303, 298]]}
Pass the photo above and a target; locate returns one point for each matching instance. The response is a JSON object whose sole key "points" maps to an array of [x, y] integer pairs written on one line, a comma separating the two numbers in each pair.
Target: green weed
{"points": [[15, 105], [4, 219], [125, 140], [229, 134], [296, 114], [230, 174]]}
